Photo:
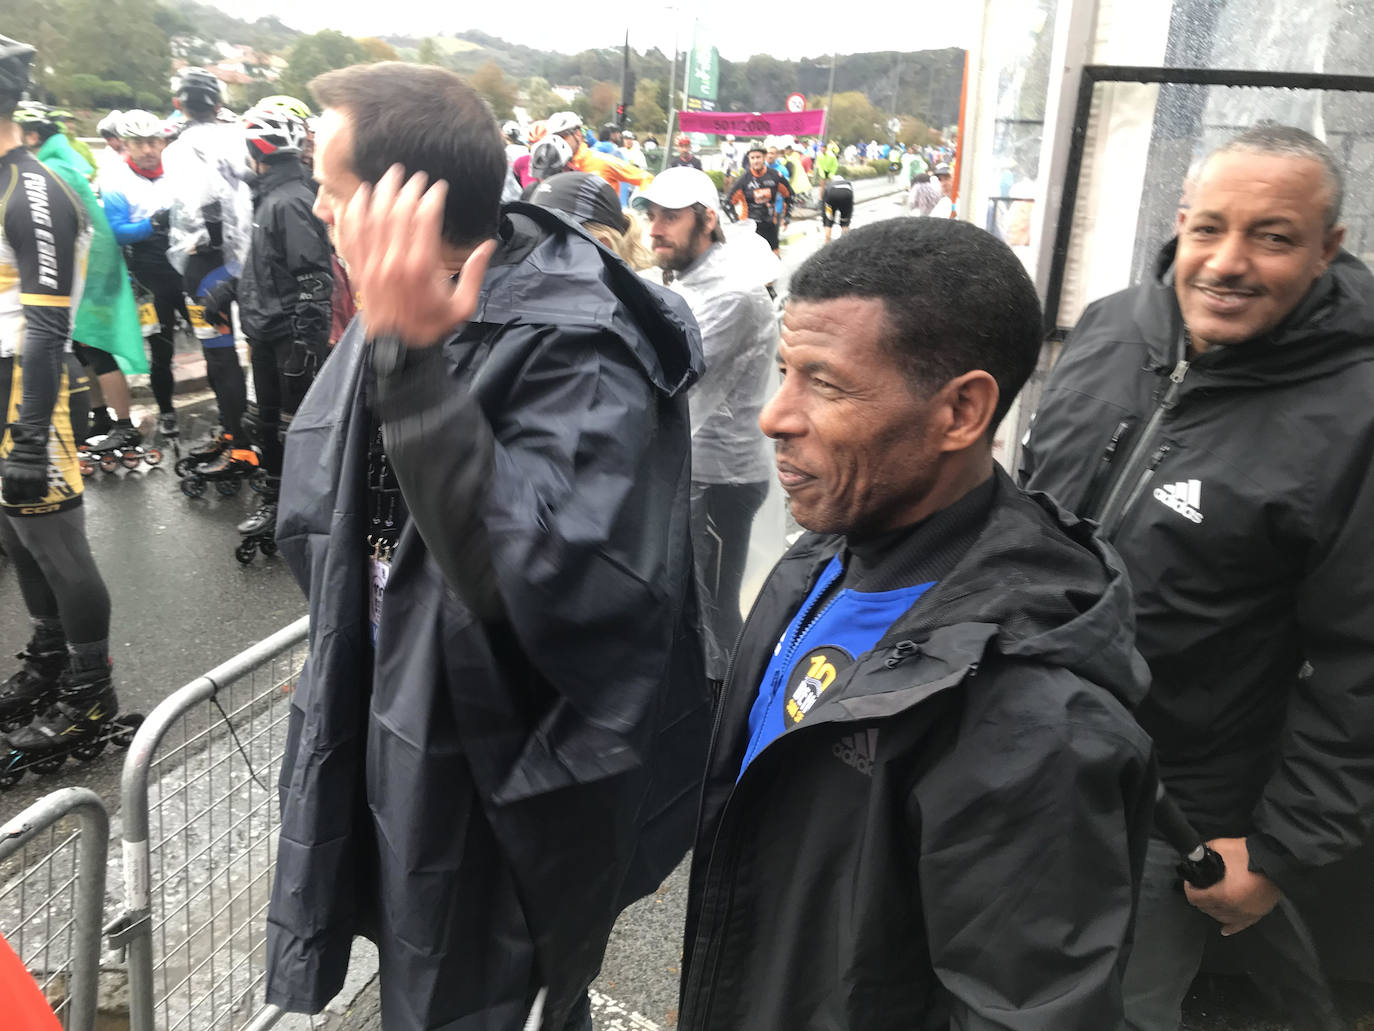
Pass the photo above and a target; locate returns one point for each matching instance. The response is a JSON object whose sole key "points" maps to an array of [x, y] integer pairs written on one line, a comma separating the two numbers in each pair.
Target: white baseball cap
{"points": [[678, 188]]}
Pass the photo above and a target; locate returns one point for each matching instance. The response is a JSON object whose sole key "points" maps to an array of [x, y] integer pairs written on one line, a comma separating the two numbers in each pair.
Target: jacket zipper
{"points": [[1144, 459], [897, 654]]}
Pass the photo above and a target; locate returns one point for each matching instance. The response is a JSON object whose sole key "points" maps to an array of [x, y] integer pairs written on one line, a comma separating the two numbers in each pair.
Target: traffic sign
{"points": [[796, 103]]}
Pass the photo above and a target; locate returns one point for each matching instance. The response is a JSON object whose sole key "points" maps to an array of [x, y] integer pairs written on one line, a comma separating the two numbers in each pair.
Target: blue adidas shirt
{"points": [[815, 647]]}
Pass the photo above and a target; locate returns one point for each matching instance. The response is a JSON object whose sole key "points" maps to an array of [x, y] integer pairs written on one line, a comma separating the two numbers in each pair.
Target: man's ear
{"points": [[967, 403]]}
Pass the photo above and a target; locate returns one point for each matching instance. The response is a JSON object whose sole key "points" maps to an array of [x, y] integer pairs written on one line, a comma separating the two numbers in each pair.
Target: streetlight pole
{"points": [[830, 100]]}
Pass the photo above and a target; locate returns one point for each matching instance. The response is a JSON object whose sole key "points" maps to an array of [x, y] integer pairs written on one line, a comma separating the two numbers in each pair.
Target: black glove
{"points": [[24, 471], [218, 300], [160, 220]]}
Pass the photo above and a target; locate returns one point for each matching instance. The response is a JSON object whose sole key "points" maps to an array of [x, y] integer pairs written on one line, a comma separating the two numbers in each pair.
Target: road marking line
{"points": [[613, 1016]]}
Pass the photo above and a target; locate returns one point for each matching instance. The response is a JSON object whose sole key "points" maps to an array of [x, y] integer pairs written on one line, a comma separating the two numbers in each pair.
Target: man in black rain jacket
{"points": [[1217, 421], [927, 803], [498, 745]]}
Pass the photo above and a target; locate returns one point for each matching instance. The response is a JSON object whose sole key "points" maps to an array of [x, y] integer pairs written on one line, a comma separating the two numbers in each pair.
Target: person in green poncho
{"points": [[107, 333]]}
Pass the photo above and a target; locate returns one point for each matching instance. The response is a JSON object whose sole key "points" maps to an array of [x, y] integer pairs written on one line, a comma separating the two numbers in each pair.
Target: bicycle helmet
{"points": [[299, 108], [199, 87], [273, 132], [109, 125], [564, 121], [511, 131], [15, 59], [538, 131], [549, 157], [32, 115], [138, 124], [683, 140]]}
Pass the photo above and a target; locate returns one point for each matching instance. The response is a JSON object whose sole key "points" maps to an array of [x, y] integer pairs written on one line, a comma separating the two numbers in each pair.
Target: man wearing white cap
{"points": [[731, 460]]}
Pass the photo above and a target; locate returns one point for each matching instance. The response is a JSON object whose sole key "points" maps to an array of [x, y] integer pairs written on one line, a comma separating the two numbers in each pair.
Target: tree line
{"points": [[93, 57]]}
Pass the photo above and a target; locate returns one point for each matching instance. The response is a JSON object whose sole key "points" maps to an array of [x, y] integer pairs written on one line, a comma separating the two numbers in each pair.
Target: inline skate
{"points": [[259, 529], [31, 688], [122, 446], [226, 468], [80, 719]]}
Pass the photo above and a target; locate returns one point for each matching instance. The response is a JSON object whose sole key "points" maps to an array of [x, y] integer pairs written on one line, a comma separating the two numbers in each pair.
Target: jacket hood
{"points": [[1331, 328], [58, 148], [547, 269], [1043, 587]]}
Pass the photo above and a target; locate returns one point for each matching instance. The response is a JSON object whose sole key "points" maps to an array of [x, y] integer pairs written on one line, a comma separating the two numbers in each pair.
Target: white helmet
{"points": [[563, 121], [271, 130], [549, 157], [511, 131], [109, 125], [138, 124]]}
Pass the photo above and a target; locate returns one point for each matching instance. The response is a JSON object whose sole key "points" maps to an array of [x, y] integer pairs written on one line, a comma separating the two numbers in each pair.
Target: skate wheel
{"points": [[258, 482], [227, 488], [268, 548], [245, 552], [9, 778], [108, 463], [131, 459], [87, 466], [153, 456], [193, 487], [50, 765], [90, 750], [183, 466], [127, 726]]}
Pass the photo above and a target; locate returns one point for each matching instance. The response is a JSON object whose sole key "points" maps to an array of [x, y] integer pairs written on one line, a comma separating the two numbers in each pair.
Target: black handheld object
{"points": [[1201, 867]]}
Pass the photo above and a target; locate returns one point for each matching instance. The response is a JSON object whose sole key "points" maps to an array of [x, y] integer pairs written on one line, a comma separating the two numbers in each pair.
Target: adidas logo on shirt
{"points": [[1184, 497], [858, 750]]}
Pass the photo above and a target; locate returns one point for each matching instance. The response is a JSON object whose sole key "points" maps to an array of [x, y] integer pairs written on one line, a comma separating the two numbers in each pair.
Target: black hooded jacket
{"points": [[954, 834], [1240, 494], [520, 754], [287, 281]]}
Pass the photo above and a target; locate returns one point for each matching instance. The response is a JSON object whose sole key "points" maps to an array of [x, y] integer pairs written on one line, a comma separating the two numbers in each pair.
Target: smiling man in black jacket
{"points": [[927, 803], [1217, 421]]}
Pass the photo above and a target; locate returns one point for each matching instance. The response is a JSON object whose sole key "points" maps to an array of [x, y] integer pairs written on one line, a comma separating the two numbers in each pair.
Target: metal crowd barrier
{"points": [[200, 819], [52, 894]]}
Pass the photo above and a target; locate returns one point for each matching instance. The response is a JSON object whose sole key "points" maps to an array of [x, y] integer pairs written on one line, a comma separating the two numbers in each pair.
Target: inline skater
{"points": [[113, 154], [138, 200], [211, 206], [755, 195], [64, 695], [284, 291], [106, 334], [684, 158], [837, 204], [568, 126]]}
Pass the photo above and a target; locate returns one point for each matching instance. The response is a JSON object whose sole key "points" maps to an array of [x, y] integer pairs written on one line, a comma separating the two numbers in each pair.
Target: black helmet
{"points": [[15, 59], [196, 84]]}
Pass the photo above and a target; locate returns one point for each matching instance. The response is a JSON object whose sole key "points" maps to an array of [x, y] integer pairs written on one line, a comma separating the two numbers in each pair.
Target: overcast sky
{"points": [[794, 29]]}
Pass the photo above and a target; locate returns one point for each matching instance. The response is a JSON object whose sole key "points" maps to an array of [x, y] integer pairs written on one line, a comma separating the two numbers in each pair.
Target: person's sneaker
{"points": [[84, 704], [167, 424]]}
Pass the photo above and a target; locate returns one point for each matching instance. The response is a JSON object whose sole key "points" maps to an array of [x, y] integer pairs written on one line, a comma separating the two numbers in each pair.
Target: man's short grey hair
{"points": [[1286, 140]]}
